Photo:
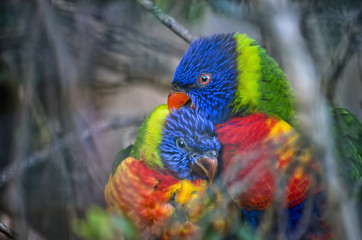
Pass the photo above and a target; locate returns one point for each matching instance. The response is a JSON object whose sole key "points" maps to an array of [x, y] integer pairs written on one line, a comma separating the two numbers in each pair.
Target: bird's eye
{"points": [[205, 79], [180, 143]]}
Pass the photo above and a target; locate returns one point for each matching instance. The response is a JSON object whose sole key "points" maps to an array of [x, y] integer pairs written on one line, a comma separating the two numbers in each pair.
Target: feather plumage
{"points": [[245, 81], [265, 161], [159, 186], [257, 151]]}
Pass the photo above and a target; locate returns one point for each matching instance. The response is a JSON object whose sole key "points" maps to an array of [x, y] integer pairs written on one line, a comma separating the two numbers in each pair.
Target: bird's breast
{"points": [[148, 196], [260, 155]]}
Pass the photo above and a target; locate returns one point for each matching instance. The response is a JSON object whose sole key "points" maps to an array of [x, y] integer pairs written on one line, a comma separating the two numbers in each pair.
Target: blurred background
{"points": [[78, 77]]}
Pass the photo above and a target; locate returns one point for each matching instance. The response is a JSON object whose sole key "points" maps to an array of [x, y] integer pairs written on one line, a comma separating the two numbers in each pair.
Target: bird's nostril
{"points": [[175, 87], [212, 153], [194, 156]]}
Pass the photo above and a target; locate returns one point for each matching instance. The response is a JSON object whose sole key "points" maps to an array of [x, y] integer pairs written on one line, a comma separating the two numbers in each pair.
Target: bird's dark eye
{"points": [[180, 143], [205, 79]]}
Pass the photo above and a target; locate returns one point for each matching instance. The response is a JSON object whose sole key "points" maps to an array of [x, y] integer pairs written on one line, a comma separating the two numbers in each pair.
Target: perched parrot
{"points": [[162, 182], [230, 80]]}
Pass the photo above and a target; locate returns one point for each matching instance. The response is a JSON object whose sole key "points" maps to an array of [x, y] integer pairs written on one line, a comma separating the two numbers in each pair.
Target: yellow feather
{"points": [[152, 138], [249, 69]]}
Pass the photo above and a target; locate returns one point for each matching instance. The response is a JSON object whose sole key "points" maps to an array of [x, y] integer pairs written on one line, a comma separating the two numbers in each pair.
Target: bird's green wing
{"points": [[123, 154], [348, 137]]}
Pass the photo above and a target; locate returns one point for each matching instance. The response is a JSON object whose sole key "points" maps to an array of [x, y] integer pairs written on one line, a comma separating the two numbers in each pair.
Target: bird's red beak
{"points": [[206, 167], [176, 100]]}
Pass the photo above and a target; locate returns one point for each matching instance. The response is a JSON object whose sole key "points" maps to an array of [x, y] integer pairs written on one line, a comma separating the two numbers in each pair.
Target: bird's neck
{"points": [[261, 85]]}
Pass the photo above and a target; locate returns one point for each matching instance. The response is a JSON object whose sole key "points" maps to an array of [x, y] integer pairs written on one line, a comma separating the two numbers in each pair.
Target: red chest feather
{"points": [[147, 196], [259, 152]]}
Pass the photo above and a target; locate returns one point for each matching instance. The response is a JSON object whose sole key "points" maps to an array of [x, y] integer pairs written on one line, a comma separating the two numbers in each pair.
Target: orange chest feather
{"points": [[148, 196]]}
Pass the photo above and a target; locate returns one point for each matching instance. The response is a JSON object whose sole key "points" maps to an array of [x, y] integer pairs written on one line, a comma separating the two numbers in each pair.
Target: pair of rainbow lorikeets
{"points": [[230, 111]]}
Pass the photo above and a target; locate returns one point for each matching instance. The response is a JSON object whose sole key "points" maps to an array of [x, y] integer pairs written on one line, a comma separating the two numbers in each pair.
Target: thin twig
{"points": [[7, 231], [16, 168], [168, 21]]}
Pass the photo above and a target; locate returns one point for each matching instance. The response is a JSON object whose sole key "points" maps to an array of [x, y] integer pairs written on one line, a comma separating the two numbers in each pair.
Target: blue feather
{"points": [[197, 132], [216, 55]]}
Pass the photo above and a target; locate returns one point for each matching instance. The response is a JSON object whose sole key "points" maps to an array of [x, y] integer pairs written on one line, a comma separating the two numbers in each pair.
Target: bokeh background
{"points": [[78, 77]]}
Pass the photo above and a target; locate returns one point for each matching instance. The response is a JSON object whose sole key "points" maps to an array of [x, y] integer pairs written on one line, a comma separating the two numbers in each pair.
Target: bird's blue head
{"points": [[207, 74], [189, 146]]}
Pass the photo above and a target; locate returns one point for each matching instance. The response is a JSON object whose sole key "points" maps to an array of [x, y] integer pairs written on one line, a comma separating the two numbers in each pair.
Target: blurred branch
{"points": [[65, 6], [165, 19], [7, 231], [168, 21], [356, 32], [18, 167], [341, 56], [336, 66], [12, 234], [282, 25]]}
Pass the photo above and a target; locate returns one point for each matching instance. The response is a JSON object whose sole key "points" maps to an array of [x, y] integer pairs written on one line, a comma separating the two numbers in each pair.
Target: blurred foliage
{"points": [[98, 224], [242, 231]]}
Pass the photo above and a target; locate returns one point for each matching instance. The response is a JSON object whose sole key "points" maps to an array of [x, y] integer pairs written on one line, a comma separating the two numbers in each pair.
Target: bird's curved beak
{"points": [[176, 100], [205, 167]]}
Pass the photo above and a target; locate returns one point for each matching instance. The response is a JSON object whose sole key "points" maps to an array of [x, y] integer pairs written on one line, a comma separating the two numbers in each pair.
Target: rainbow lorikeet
{"points": [[228, 78], [161, 185]]}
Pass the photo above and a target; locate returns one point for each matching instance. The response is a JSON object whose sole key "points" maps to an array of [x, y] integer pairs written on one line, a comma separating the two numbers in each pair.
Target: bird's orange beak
{"points": [[176, 100], [206, 167]]}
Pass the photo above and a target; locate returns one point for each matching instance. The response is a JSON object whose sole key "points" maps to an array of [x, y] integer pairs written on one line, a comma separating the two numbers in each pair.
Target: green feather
{"points": [[262, 85], [276, 98], [149, 137], [348, 137], [123, 154]]}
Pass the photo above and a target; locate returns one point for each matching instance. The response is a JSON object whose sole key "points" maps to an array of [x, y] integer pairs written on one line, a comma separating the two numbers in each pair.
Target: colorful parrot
{"points": [[230, 80], [162, 182]]}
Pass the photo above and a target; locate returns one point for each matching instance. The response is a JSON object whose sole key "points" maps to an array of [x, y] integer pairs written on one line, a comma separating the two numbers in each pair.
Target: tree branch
{"points": [[7, 231], [341, 56], [165, 19], [16, 168], [64, 6], [168, 21], [313, 113]]}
